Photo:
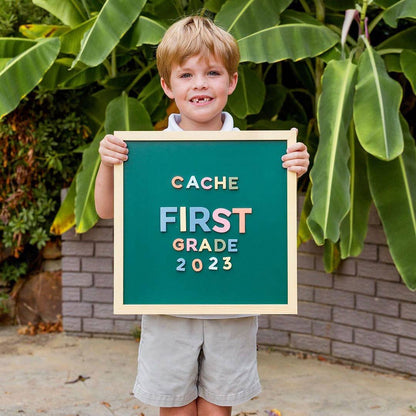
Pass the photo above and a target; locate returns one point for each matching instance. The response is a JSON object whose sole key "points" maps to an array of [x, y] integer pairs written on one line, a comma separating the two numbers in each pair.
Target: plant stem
{"points": [[374, 22], [388, 51], [320, 10], [319, 64], [113, 63], [140, 76], [305, 6], [362, 16]]}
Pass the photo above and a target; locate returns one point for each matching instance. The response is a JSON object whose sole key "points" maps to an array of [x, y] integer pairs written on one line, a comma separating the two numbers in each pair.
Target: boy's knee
{"points": [[206, 408], [187, 410]]}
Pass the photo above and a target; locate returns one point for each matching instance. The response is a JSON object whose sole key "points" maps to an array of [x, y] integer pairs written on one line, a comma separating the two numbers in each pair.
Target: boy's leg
{"points": [[187, 410], [199, 407], [205, 408]]}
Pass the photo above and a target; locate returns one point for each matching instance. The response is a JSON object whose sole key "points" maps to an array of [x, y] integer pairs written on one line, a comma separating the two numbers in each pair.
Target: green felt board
{"points": [[259, 268]]}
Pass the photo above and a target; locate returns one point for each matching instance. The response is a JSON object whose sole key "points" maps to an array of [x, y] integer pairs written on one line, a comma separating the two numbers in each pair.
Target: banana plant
{"points": [[322, 66]]}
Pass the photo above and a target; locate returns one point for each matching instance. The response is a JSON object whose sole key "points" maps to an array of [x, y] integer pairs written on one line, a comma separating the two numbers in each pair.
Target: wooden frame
{"points": [[137, 286]]}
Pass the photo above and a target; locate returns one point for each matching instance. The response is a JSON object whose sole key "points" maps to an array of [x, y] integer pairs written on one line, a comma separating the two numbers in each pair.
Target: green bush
{"points": [[41, 144], [14, 13]]}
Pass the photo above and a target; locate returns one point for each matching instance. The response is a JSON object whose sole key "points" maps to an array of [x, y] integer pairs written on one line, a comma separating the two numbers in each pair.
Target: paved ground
{"points": [[34, 372]]}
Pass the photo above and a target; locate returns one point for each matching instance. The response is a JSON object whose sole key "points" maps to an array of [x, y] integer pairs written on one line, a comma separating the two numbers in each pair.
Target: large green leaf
{"points": [[213, 5], [243, 17], [24, 72], [354, 226], [400, 10], [65, 218], [11, 47], [304, 233], [393, 189], [151, 95], [95, 105], [330, 174], [292, 41], [70, 12], [376, 108], [248, 97], [145, 31], [83, 77], [71, 41], [126, 113], [33, 31], [408, 64], [57, 74], [113, 21], [331, 256], [402, 40], [85, 214]]}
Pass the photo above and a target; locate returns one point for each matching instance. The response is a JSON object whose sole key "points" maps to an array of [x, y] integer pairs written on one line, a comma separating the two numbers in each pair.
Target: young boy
{"points": [[194, 365]]}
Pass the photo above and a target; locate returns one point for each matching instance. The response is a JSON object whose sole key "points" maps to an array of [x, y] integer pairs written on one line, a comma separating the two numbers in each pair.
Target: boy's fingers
{"points": [[112, 143]]}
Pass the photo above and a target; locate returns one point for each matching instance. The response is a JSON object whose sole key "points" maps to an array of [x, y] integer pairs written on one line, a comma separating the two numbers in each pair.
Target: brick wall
{"points": [[361, 314]]}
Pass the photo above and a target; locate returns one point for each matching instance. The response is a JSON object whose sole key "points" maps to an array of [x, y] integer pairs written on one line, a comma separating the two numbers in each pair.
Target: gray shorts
{"points": [[183, 358]]}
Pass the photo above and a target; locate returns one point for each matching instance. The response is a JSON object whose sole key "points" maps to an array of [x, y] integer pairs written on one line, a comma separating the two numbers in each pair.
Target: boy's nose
{"points": [[200, 83]]}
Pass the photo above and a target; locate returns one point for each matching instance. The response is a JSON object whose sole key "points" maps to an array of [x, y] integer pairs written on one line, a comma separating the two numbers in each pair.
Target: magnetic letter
{"points": [[164, 219], [194, 221], [182, 217], [242, 218], [216, 217], [232, 245], [192, 183], [178, 244], [233, 183], [176, 179], [223, 183], [203, 180]]}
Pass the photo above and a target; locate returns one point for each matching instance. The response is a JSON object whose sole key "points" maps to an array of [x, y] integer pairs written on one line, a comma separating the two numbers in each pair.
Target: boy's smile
{"points": [[200, 87]]}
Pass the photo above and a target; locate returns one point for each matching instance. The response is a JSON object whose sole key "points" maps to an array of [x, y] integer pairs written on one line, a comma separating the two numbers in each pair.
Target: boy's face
{"points": [[200, 87]]}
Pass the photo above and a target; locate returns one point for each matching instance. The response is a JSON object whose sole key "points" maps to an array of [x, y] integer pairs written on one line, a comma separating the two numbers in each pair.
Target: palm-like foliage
{"points": [[304, 63]]}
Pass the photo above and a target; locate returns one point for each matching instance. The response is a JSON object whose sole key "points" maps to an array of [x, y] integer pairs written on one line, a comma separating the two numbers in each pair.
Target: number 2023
{"points": [[197, 264]]}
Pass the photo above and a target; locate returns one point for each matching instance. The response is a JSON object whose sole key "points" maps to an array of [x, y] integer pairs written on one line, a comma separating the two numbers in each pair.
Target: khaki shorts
{"points": [[183, 358]]}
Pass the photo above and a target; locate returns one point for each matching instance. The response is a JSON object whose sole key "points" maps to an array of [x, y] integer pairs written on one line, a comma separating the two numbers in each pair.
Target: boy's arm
{"points": [[113, 151]]}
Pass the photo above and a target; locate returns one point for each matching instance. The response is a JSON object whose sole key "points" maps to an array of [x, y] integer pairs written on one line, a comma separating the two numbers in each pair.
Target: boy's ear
{"points": [[233, 83], [166, 89]]}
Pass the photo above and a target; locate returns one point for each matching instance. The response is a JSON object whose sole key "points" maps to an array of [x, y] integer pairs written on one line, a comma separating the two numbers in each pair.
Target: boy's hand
{"points": [[296, 158], [113, 151]]}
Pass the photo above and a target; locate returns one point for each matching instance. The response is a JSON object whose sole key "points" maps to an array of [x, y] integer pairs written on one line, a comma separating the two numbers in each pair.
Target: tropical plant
{"points": [[303, 63], [40, 143]]}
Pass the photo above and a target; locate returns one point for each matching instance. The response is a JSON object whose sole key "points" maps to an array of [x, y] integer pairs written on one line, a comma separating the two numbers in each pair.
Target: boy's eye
{"points": [[185, 75], [213, 73]]}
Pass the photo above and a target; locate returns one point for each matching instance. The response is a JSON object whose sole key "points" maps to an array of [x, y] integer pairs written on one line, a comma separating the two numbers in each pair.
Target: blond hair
{"points": [[192, 36]]}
